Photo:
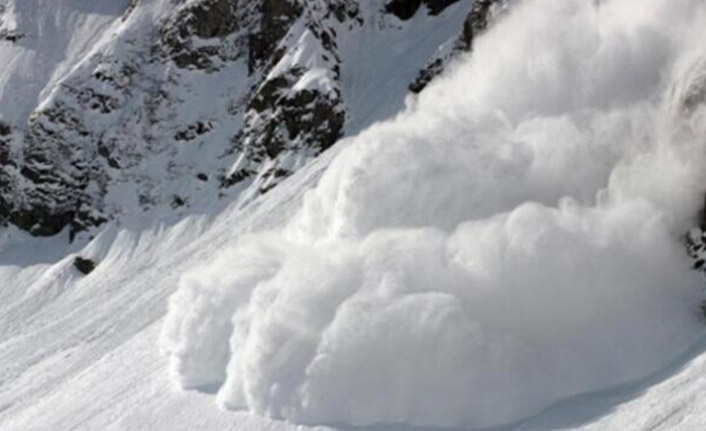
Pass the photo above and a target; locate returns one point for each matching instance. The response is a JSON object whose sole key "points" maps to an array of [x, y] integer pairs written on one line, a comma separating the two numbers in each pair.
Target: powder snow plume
{"points": [[514, 238]]}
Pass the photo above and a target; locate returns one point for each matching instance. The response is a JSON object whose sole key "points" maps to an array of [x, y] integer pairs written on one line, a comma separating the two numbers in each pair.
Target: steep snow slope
{"points": [[57, 325], [522, 223], [117, 381], [52, 37], [513, 238]]}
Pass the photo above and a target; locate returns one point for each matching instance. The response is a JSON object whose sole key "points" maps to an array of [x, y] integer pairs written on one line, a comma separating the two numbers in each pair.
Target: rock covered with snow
{"points": [[513, 238], [192, 102]]}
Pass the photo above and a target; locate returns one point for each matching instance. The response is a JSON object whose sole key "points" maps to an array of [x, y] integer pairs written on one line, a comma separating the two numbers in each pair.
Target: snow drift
{"points": [[513, 238]]}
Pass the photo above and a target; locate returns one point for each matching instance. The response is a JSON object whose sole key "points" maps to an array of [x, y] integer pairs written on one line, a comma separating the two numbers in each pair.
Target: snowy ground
{"points": [[61, 327], [507, 250], [85, 356]]}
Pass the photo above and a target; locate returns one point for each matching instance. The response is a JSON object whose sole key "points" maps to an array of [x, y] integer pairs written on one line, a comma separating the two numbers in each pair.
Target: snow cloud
{"points": [[512, 239]]}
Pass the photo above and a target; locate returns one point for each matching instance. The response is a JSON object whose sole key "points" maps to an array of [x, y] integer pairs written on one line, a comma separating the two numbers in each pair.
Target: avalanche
{"points": [[512, 239]]}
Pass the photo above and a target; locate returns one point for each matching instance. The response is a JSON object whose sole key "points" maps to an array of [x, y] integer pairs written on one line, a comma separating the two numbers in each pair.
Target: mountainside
{"points": [[121, 108], [336, 215]]}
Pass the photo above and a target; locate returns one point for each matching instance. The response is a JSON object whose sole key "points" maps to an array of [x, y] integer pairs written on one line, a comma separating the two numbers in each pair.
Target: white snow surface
{"points": [[56, 35], [506, 252]]}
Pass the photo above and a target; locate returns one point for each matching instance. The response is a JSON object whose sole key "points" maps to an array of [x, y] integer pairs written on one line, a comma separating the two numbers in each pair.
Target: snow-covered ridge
{"points": [[511, 240], [155, 109]]}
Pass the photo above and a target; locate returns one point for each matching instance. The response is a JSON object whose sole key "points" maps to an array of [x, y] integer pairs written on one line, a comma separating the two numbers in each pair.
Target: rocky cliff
{"points": [[177, 105]]}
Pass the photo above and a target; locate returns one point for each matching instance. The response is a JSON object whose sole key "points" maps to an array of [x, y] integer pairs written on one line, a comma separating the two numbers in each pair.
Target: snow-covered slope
{"points": [[508, 251], [510, 224]]}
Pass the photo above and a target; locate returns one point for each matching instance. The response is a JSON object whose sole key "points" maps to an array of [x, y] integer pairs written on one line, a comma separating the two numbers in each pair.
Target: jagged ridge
{"points": [[181, 106]]}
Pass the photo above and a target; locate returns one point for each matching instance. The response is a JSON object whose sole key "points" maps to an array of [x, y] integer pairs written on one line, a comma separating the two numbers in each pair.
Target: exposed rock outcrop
{"points": [[406, 9], [8, 173], [241, 92], [84, 266]]}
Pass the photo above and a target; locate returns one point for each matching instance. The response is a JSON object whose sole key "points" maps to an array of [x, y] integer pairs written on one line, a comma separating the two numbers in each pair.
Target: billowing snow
{"points": [[514, 238]]}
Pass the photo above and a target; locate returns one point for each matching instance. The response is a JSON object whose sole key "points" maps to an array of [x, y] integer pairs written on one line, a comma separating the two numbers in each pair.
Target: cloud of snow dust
{"points": [[512, 239]]}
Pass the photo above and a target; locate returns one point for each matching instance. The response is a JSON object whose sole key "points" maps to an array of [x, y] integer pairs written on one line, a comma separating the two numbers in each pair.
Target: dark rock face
{"points": [[84, 266], [194, 131], [406, 9], [276, 17], [279, 123], [274, 123], [403, 9], [48, 197], [281, 120], [64, 158], [481, 14], [57, 174], [123, 119], [209, 19], [68, 153], [437, 6], [231, 29], [8, 168], [426, 75]]}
